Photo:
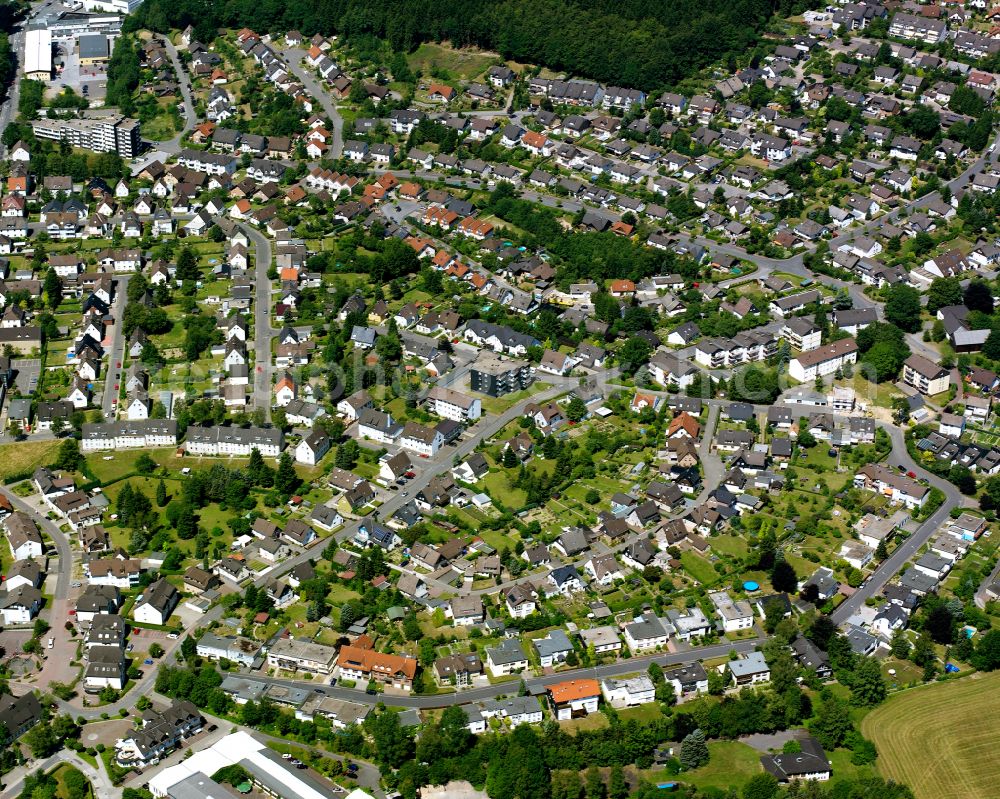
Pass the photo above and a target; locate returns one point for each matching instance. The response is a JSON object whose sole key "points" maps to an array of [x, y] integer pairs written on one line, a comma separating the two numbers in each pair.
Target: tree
{"points": [[161, 494], [963, 478], [943, 291], [761, 786], [42, 740], [978, 297], [694, 750], [783, 577], [393, 744], [286, 480], [832, 722], [867, 683], [633, 354], [987, 655], [53, 288], [900, 645], [510, 459], [145, 465], [805, 439], [69, 458], [991, 347], [576, 409], [155, 650], [902, 307], [594, 783], [187, 265], [617, 787]]}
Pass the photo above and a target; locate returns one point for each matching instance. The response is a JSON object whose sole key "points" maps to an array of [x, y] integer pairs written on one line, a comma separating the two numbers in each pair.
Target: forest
{"points": [[645, 45]]}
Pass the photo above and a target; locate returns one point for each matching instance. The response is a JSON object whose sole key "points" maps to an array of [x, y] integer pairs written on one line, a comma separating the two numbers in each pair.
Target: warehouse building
{"points": [[270, 774], [93, 49], [38, 54]]}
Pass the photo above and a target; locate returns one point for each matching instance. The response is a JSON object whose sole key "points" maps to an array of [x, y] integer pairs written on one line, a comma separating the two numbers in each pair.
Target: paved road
{"points": [[113, 373], [891, 566], [9, 107], [103, 787], [633, 665], [52, 530], [293, 59], [263, 330], [190, 117]]}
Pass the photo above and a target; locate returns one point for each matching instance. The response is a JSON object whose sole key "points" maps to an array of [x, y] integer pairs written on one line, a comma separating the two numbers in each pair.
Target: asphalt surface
{"points": [[905, 551], [264, 331], [113, 372], [293, 60], [187, 103]]}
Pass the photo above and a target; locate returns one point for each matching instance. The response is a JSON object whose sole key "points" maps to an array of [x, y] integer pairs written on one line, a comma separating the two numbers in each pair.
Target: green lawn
{"points": [[731, 765], [698, 567], [457, 64], [495, 484], [729, 545], [25, 457], [643, 713]]}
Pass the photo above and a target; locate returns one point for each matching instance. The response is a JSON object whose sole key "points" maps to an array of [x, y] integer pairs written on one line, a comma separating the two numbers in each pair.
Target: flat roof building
{"points": [[93, 48], [267, 770]]}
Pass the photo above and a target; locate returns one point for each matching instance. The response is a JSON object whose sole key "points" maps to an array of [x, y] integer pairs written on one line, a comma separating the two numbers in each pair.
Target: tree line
{"points": [[643, 45]]}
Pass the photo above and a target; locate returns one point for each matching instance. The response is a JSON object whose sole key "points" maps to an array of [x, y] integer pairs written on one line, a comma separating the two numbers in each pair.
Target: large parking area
{"points": [[88, 80]]}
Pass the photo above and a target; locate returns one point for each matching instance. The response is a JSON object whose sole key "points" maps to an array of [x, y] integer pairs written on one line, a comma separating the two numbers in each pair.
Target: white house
{"points": [[629, 692], [158, 601]]}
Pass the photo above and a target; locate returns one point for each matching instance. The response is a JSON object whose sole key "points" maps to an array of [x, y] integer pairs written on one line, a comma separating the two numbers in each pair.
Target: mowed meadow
{"points": [[941, 739]]}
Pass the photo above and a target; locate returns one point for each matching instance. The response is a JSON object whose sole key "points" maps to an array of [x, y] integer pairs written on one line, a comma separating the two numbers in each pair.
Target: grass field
{"points": [[941, 739], [698, 567], [731, 765], [458, 64], [26, 456]]}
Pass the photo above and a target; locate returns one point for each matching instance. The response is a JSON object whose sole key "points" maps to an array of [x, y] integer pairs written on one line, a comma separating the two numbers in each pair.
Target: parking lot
{"points": [[90, 81]]}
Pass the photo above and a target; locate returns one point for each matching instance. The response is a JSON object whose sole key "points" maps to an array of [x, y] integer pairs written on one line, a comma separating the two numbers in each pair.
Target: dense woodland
{"points": [[636, 43]]}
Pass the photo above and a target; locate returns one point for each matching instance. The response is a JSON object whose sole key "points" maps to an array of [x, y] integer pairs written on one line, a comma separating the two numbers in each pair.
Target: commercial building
{"points": [[292, 655], [38, 54], [235, 649], [270, 774], [107, 135], [93, 48], [115, 6]]}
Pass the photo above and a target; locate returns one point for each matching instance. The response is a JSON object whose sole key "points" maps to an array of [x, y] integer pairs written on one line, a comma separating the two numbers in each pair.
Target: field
{"points": [[26, 456], [457, 64], [940, 740], [732, 764]]}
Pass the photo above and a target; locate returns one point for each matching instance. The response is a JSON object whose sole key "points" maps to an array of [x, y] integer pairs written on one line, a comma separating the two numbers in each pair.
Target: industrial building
{"points": [[38, 54], [114, 6], [93, 49], [68, 24], [106, 135], [270, 774]]}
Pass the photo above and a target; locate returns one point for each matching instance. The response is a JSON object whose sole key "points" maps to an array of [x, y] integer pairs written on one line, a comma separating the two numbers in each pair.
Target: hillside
{"points": [[635, 44]]}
